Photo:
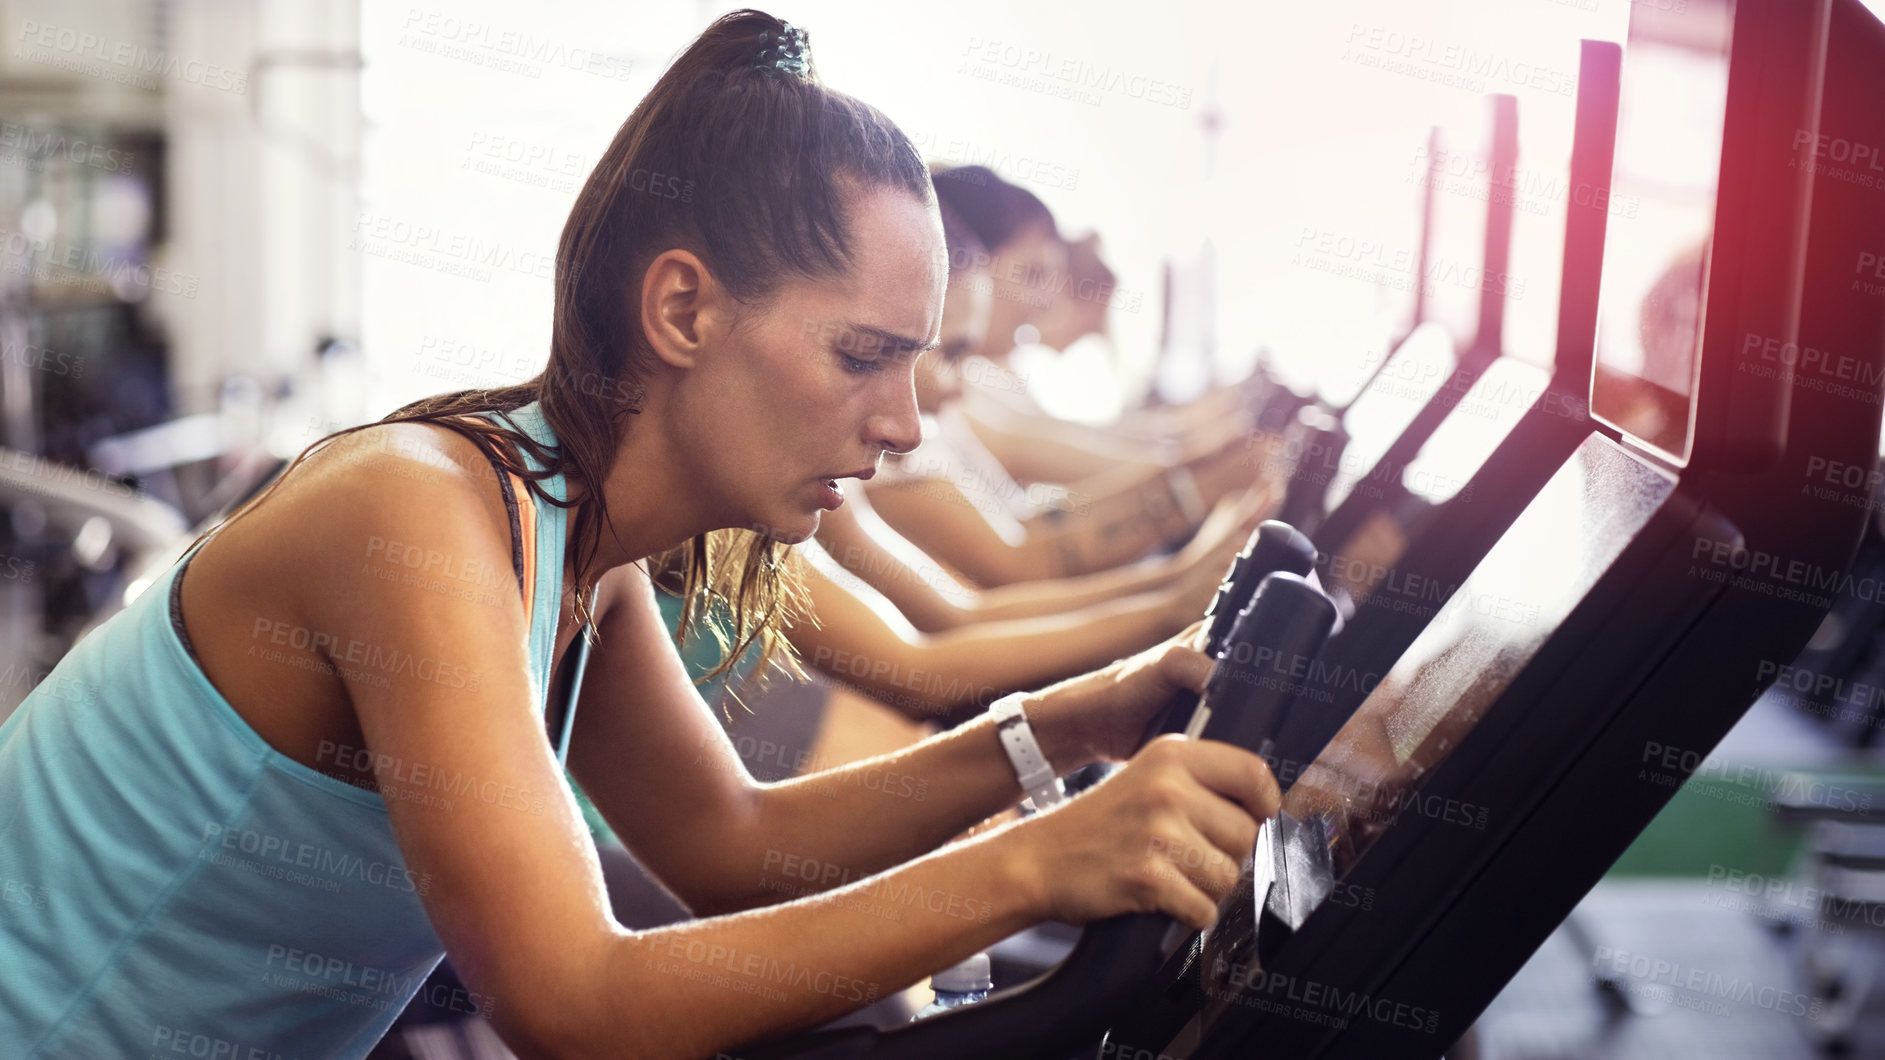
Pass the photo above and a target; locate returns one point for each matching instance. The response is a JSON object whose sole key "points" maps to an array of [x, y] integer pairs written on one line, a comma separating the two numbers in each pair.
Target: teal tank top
{"points": [[700, 655], [175, 886]]}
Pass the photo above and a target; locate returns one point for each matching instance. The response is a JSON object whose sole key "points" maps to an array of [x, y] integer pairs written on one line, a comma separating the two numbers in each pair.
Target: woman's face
{"points": [[1026, 271], [815, 384], [1077, 309], [964, 329]]}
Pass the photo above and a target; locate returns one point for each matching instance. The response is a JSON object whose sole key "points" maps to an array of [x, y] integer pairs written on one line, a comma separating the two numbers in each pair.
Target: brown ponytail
{"points": [[747, 161]]}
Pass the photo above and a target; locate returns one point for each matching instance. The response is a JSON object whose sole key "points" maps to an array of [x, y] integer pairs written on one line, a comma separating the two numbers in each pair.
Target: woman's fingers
{"points": [[1197, 879], [1228, 770], [1183, 665]]}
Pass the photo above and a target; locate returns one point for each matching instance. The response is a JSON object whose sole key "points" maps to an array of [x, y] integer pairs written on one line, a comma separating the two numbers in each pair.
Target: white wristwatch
{"points": [[1024, 751]]}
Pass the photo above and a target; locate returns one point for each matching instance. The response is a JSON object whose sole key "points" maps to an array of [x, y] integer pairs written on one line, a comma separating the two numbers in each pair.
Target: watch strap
{"points": [[1024, 752]]}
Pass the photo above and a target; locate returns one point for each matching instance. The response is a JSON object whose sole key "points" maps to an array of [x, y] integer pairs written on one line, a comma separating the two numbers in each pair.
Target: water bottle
{"points": [[958, 985]]}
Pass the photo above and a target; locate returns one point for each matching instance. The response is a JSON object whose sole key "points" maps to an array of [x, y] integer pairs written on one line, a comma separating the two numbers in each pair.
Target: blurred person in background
{"points": [[956, 500], [1052, 296], [290, 695]]}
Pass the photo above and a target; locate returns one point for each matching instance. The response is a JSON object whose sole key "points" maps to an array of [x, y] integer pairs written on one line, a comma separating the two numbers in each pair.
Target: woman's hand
{"points": [[1203, 562], [1168, 833], [1104, 714]]}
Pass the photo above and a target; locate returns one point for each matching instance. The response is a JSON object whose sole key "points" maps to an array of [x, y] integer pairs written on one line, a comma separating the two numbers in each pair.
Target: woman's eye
{"points": [[862, 354]]}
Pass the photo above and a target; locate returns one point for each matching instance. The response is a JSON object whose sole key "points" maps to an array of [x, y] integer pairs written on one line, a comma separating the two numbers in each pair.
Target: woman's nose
{"points": [[899, 427]]}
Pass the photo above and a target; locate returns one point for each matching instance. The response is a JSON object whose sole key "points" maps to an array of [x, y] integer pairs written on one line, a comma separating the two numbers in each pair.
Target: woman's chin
{"points": [[800, 526]]}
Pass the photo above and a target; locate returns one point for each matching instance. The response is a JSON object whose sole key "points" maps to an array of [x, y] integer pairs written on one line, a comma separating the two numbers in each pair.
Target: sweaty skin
{"points": [[749, 415]]}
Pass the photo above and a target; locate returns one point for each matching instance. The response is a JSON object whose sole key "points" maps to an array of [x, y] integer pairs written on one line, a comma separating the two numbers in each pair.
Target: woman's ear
{"points": [[679, 307]]}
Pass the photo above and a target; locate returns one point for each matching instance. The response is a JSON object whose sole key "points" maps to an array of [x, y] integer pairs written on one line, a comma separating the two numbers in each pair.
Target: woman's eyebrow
{"points": [[894, 342]]}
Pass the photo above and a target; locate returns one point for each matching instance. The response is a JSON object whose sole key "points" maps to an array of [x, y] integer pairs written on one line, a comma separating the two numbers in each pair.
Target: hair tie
{"points": [[786, 54]]}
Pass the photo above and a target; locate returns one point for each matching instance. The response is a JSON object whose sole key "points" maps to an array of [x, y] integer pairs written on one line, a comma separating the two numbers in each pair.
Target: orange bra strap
{"points": [[527, 528]]}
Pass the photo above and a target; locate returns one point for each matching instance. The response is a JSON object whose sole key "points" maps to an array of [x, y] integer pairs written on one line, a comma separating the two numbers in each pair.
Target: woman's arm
{"points": [[1041, 449], [925, 675], [942, 520], [643, 737], [1112, 523], [933, 601], [513, 886]]}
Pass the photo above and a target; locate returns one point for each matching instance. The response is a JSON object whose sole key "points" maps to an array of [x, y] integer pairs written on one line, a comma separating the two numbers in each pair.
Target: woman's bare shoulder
{"points": [[371, 497], [400, 466]]}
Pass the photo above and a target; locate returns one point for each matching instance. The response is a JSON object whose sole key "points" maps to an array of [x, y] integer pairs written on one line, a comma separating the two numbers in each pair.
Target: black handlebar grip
{"points": [[1072, 1005], [1268, 653], [1273, 546], [1319, 440], [1054, 1015]]}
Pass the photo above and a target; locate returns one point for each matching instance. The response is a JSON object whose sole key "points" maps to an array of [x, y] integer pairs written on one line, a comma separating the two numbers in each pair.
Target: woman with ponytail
{"points": [[325, 749]]}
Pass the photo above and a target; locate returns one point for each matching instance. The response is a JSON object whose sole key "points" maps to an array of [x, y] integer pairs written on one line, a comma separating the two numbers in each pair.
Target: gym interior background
{"points": [[228, 228]]}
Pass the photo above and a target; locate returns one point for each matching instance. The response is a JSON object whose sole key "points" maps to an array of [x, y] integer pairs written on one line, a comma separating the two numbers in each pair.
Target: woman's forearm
{"points": [[1061, 595], [1055, 450], [826, 829], [933, 600], [941, 519], [1086, 542], [706, 986], [929, 675]]}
